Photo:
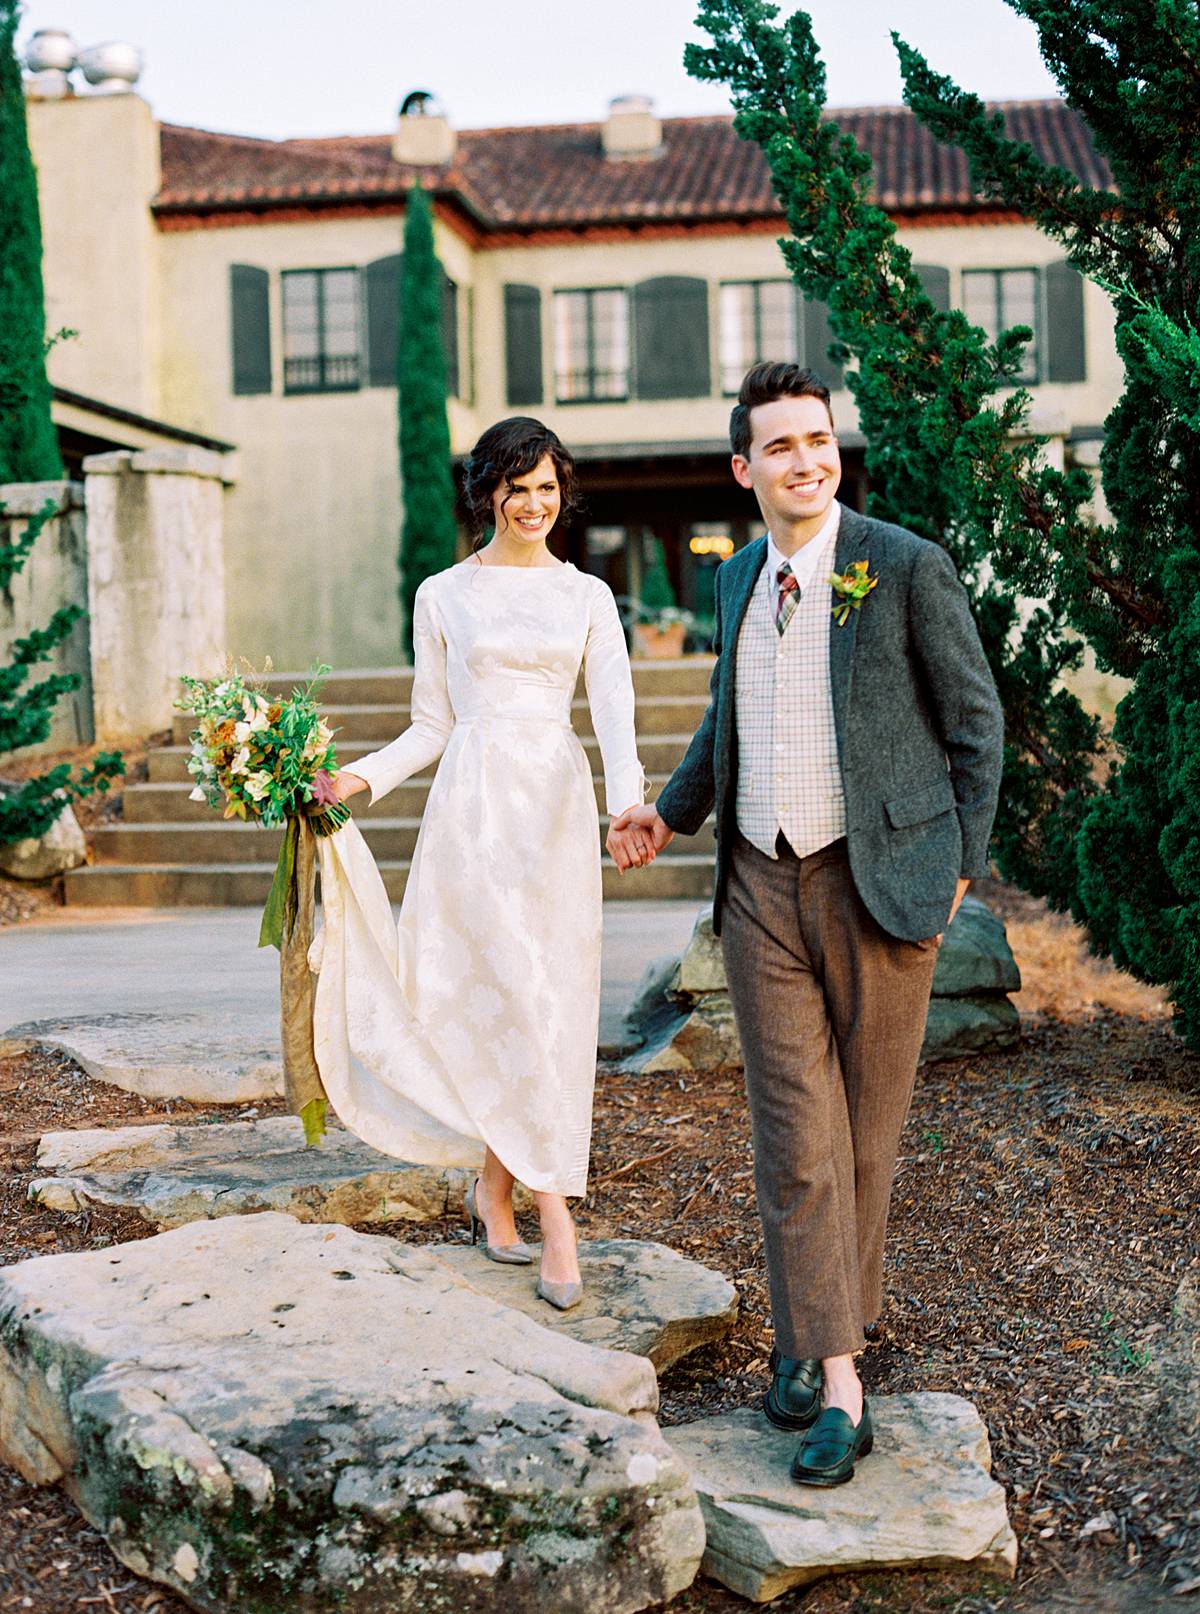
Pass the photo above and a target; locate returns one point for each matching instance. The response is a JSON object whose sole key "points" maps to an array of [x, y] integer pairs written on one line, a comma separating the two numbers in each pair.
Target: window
{"points": [[591, 345], [758, 321], [998, 299], [321, 330]]}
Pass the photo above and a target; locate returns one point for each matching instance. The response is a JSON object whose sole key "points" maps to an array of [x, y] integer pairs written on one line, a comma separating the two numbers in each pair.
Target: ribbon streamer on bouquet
{"points": [[287, 923]]}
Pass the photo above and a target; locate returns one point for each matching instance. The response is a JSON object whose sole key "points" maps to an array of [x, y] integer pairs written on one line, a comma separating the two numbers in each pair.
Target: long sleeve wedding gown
{"points": [[474, 1020]]}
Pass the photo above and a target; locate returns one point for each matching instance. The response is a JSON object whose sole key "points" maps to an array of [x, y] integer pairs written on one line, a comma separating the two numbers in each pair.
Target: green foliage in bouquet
{"points": [[950, 455], [264, 761], [28, 440], [429, 535]]}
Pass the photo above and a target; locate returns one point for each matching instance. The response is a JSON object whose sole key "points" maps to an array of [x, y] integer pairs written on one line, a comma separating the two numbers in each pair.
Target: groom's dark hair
{"points": [[764, 384]]}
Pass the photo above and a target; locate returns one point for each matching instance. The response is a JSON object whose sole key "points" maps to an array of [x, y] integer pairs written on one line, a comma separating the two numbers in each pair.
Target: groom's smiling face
{"points": [[793, 466]]}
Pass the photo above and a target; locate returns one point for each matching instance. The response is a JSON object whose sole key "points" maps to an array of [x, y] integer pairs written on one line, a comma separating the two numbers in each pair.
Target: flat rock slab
{"points": [[177, 1174], [162, 1056], [264, 1414], [637, 1296], [923, 1498]]}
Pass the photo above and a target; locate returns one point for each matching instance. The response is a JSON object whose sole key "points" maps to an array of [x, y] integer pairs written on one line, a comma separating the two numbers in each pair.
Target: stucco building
{"points": [[613, 278]]}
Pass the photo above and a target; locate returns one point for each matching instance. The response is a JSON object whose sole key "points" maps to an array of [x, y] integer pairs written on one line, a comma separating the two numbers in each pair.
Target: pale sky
{"points": [[312, 67]]}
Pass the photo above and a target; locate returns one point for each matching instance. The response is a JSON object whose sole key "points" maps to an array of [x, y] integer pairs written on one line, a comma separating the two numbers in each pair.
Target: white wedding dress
{"points": [[474, 1020]]}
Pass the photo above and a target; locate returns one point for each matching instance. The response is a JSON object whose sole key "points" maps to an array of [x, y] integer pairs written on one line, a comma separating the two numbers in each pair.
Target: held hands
{"points": [[636, 837]]}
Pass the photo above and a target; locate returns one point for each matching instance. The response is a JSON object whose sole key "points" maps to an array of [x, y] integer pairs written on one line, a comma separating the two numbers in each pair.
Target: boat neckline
{"points": [[484, 566]]}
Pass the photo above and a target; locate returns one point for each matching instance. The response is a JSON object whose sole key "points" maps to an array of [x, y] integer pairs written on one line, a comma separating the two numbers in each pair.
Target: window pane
{"points": [[979, 300], [570, 344], [736, 334], [610, 335], [777, 321], [1018, 306]]}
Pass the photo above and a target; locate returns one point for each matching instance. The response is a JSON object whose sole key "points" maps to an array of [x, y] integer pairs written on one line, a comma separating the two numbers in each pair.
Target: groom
{"points": [[852, 748]]}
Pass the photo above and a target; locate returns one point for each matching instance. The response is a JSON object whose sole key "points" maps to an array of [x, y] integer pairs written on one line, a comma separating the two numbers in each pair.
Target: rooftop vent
{"points": [[423, 135], [112, 68], [632, 131]]}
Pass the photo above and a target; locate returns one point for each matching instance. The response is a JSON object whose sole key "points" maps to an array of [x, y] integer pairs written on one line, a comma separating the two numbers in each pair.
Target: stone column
{"points": [[156, 582], [54, 575]]}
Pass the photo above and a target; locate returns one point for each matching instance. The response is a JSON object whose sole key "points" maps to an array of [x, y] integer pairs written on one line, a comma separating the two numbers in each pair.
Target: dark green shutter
{"points": [[523, 344], [250, 327], [936, 282], [671, 345], [1066, 352], [383, 319], [818, 333], [450, 334]]}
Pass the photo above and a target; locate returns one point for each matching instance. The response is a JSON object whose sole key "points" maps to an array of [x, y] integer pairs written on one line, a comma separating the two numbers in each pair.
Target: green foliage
{"points": [[28, 441], [429, 533], [656, 593], [950, 456]]}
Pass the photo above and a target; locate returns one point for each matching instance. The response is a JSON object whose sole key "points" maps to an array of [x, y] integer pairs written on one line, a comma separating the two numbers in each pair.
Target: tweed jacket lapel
{"points": [[741, 587], [853, 543]]}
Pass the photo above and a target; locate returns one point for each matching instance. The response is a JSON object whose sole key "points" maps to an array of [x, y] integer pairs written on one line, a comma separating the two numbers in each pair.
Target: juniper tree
{"points": [[950, 456], [28, 453], [430, 530]]}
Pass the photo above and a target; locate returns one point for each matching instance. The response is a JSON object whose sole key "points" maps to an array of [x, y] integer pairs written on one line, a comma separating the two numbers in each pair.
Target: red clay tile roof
{"points": [[547, 177]]}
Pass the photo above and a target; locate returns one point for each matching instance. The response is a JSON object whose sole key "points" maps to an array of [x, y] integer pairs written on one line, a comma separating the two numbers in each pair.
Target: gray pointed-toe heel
{"points": [[560, 1295], [510, 1255]]}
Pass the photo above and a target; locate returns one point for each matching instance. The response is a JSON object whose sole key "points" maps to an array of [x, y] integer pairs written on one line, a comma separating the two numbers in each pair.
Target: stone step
{"points": [[660, 754], [170, 803], [164, 885], [391, 839], [390, 686], [670, 714]]}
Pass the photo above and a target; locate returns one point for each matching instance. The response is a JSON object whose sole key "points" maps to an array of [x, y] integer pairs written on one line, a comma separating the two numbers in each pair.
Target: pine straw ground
{"points": [[1043, 1222]]}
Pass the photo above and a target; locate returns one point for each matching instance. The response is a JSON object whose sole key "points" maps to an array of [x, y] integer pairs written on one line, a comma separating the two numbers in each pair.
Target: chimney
{"points": [[632, 131], [423, 136]]}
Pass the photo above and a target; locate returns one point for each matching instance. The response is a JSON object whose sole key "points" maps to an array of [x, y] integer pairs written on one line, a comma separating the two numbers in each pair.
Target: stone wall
{"points": [[156, 582], [54, 575]]}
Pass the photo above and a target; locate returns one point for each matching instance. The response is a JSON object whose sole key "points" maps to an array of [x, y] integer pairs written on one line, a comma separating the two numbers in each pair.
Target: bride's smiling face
{"points": [[526, 507]]}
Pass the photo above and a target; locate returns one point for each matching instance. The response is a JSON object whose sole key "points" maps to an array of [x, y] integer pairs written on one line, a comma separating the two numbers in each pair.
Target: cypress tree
{"points": [[28, 441], [28, 453], [950, 457], [429, 533]]}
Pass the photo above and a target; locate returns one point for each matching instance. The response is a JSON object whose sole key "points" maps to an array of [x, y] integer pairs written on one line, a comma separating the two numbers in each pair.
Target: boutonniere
{"points": [[852, 586]]}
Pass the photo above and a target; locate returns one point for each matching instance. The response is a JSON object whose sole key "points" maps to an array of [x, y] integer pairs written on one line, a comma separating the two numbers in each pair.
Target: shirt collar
{"points": [[806, 559]]}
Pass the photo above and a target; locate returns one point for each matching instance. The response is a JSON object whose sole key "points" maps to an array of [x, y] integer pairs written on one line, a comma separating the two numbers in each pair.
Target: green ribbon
{"points": [[281, 896]]}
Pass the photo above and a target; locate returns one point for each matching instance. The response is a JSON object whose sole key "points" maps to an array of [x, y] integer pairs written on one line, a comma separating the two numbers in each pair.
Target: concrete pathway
{"points": [[205, 962]]}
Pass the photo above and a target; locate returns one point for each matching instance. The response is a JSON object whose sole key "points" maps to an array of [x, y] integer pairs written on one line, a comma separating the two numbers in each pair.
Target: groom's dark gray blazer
{"points": [[920, 730]]}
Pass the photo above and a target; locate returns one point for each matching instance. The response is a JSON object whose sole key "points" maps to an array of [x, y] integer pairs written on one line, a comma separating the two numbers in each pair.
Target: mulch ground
{"points": [[1043, 1221]]}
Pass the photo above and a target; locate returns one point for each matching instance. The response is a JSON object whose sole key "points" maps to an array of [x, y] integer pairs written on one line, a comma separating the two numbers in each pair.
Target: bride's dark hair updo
{"points": [[509, 449]]}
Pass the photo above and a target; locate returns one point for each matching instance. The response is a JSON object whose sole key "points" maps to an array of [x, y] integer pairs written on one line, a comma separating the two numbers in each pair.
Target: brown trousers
{"points": [[831, 1013]]}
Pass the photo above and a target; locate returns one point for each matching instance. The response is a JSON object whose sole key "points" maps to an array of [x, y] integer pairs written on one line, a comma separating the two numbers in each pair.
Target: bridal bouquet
{"points": [[259, 759], [271, 762]]}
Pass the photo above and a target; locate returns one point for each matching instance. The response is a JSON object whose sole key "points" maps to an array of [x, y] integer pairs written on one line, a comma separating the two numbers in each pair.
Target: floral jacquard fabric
{"points": [[474, 1020]]}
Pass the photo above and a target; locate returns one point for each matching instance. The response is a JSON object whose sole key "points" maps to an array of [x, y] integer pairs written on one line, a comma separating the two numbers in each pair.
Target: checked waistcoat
{"points": [[789, 777]]}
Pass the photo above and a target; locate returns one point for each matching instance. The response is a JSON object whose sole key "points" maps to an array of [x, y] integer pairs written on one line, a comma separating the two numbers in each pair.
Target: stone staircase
{"points": [[170, 851]]}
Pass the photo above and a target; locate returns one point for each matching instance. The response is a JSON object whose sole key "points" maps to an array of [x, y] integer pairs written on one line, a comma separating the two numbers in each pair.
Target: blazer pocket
{"points": [[904, 811]]}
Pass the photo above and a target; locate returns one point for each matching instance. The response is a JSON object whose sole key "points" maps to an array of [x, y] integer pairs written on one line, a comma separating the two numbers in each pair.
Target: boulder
{"points": [[681, 1019], [163, 1056], [41, 857], [975, 960], [923, 1498], [177, 1174], [959, 1027], [263, 1414], [637, 1296]]}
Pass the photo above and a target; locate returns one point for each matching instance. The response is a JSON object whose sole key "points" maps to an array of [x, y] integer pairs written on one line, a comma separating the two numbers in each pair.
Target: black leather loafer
{"points": [[794, 1399], [829, 1450]]}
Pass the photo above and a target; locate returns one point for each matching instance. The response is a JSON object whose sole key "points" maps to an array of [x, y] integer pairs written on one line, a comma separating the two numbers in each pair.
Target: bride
{"points": [[467, 1035]]}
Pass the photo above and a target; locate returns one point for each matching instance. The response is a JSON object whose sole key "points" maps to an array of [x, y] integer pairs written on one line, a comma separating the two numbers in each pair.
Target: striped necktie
{"points": [[788, 597]]}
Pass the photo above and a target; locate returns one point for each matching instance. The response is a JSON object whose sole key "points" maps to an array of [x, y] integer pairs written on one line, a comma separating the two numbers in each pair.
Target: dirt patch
{"points": [[1043, 1221]]}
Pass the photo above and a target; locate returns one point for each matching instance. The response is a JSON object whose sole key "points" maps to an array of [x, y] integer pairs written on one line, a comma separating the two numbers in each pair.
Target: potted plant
{"points": [[659, 625]]}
